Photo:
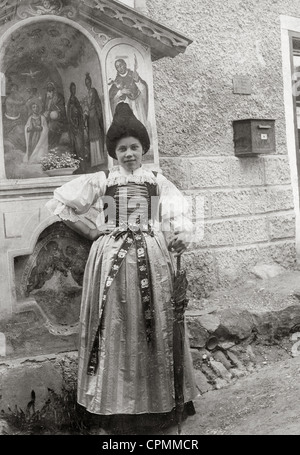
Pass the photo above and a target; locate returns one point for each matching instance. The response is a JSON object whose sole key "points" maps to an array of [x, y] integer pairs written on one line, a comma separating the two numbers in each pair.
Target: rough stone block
{"points": [[235, 324], [209, 172], [247, 172], [209, 322], [282, 226], [272, 199], [220, 370], [201, 382], [277, 170], [177, 171], [218, 233], [277, 322], [226, 344], [197, 334], [221, 357], [236, 362], [281, 252], [251, 230], [231, 203]]}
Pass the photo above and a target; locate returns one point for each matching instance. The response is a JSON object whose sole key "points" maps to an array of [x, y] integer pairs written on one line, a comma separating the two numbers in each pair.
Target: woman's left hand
{"points": [[179, 243]]}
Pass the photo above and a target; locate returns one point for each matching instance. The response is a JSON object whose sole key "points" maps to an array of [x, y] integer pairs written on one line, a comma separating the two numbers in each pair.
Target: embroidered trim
{"points": [[116, 178]]}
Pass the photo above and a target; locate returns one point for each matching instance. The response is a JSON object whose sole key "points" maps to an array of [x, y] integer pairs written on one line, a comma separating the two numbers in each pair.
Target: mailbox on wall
{"points": [[254, 137]]}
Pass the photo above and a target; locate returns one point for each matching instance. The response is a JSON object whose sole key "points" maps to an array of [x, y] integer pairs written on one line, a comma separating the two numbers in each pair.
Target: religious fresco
{"points": [[53, 273], [53, 103], [127, 81]]}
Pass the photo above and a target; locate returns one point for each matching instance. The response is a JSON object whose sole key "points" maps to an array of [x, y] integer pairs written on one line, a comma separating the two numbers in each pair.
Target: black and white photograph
{"points": [[149, 221]]}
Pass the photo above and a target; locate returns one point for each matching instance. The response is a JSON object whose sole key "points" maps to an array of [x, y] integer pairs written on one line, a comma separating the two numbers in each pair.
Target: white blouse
{"points": [[80, 199]]}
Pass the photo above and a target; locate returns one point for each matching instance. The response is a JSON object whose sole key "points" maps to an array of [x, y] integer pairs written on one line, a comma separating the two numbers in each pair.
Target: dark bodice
{"points": [[135, 205]]}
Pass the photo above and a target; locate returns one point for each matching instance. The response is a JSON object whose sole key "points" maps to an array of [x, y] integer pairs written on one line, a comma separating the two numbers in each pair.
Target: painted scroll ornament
{"points": [[43, 7]]}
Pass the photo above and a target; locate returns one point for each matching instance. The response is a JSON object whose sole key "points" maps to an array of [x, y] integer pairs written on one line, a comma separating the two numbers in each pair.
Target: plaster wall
{"points": [[250, 203]]}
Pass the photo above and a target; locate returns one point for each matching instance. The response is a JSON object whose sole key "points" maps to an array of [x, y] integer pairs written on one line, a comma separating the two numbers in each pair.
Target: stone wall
{"points": [[249, 216]]}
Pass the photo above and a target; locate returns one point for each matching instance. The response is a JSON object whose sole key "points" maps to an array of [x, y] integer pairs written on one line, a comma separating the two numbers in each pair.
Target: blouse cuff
{"points": [[66, 213]]}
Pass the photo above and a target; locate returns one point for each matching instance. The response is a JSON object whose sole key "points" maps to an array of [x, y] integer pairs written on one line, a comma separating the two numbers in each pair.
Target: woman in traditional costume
{"points": [[126, 322]]}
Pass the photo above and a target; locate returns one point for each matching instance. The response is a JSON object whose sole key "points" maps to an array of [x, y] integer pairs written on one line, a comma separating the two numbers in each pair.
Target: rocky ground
{"points": [[249, 382], [245, 343]]}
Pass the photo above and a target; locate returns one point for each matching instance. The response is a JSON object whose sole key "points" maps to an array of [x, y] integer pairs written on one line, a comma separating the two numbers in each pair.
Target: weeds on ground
{"points": [[61, 414]]}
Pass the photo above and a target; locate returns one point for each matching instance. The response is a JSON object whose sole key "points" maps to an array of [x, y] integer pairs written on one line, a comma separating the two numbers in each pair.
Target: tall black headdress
{"points": [[125, 124]]}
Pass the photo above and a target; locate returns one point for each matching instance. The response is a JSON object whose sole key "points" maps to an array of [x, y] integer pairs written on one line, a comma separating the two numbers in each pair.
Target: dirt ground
{"points": [[266, 402]]}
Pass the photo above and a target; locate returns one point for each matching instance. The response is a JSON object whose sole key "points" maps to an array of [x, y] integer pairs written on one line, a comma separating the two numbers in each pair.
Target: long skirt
{"points": [[134, 376]]}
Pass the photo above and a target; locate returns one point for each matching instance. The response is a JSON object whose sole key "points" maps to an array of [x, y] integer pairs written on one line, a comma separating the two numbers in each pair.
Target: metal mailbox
{"points": [[254, 137]]}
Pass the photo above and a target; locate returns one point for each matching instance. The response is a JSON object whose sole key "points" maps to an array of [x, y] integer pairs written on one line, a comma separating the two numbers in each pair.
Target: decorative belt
{"points": [[131, 238]]}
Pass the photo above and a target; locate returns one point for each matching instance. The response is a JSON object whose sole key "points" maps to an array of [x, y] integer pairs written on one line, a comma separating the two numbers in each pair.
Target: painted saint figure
{"points": [[93, 116], [130, 88], [55, 112], [32, 95], [76, 126], [13, 120], [36, 134]]}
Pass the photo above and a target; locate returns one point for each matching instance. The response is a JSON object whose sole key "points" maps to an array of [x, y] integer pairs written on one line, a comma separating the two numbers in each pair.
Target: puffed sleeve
{"points": [[175, 210], [79, 199]]}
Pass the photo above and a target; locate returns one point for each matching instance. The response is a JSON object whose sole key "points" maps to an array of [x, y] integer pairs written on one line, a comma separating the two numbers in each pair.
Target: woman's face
{"points": [[129, 152]]}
